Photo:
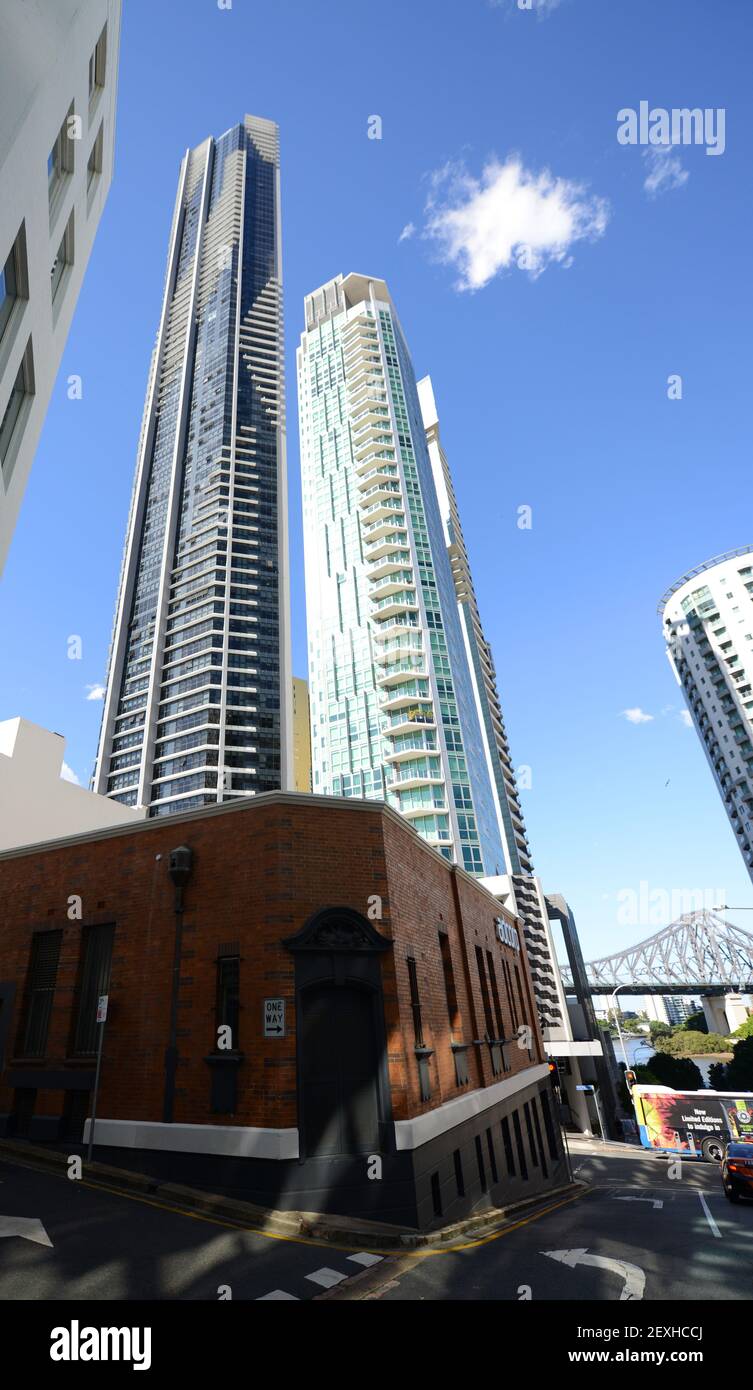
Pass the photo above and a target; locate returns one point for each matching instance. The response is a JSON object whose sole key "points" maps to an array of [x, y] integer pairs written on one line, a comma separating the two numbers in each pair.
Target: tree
{"points": [[696, 1023], [745, 1030], [645, 1077], [738, 1075], [659, 1030], [678, 1072], [717, 1074], [687, 1044]]}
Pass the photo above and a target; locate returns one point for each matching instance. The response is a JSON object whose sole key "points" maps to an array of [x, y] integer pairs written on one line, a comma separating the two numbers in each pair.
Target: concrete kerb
{"points": [[340, 1230]]}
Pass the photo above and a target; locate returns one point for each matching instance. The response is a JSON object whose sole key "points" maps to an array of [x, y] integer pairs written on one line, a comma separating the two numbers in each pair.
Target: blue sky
{"points": [[551, 382]]}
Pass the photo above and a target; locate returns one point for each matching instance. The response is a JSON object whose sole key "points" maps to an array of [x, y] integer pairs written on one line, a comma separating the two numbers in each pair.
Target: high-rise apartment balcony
{"points": [[381, 539], [408, 746], [378, 492], [394, 627], [391, 584], [406, 719], [437, 805], [388, 510], [368, 443], [382, 472], [387, 564], [405, 643], [368, 397], [405, 696], [416, 777], [360, 344], [364, 374], [395, 603], [395, 673]]}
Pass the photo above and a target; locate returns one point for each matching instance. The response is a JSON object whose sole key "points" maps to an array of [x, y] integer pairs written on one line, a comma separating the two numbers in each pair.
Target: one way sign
{"points": [[274, 1018]]}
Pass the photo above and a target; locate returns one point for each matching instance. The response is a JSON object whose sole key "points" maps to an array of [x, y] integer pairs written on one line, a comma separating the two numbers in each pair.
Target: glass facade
{"points": [[708, 627], [197, 707], [392, 705]]}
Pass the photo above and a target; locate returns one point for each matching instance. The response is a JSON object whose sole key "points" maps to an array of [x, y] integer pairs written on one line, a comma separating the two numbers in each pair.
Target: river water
{"points": [[639, 1050]]}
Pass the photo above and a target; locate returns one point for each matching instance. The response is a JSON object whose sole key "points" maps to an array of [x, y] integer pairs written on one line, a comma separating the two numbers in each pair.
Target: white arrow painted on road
{"points": [[27, 1227], [634, 1277], [656, 1202]]}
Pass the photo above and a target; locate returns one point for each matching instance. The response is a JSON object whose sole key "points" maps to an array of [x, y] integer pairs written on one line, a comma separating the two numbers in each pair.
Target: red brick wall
{"points": [[426, 897], [260, 871]]}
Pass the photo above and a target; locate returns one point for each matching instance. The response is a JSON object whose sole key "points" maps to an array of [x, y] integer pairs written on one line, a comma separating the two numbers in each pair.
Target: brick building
{"points": [[354, 1028]]}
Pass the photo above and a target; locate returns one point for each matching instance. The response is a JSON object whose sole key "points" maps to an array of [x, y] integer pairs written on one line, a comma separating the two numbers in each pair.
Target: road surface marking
{"points": [[27, 1227], [656, 1202], [365, 1259], [326, 1277], [306, 1240], [709, 1217], [278, 1295], [633, 1276]]}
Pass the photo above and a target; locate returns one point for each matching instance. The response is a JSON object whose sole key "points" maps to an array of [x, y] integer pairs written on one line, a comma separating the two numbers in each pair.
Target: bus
{"points": [[692, 1124]]}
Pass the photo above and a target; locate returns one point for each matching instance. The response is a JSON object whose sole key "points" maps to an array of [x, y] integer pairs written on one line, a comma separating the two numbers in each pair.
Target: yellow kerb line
{"points": [[398, 1252]]}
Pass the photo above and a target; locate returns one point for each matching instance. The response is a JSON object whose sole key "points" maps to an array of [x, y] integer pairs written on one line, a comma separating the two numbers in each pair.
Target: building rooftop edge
{"points": [[281, 798], [700, 569]]}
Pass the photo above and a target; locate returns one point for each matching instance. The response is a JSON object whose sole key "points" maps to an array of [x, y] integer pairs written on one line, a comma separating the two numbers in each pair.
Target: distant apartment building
{"points": [[707, 623], [393, 714], [198, 703], [301, 736], [680, 1008], [58, 83]]}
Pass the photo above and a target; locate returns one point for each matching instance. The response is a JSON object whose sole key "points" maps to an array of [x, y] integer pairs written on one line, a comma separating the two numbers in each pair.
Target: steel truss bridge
{"points": [[699, 953]]}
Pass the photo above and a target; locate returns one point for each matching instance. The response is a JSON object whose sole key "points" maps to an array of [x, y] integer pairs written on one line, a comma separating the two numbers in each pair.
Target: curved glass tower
{"points": [[707, 621], [198, 706]]}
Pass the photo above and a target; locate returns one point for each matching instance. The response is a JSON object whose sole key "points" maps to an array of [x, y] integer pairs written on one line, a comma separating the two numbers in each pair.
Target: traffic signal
{"points": [[554, 1075], [630, 1079]]}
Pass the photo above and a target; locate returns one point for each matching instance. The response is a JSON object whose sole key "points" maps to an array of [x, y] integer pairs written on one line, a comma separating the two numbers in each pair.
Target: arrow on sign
{"points": [[27, 1227], [633, 1277], [656, 1202]]}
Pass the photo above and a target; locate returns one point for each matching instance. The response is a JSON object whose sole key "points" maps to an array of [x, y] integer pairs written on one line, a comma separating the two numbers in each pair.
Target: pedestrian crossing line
{"points": [[327, 1278]]}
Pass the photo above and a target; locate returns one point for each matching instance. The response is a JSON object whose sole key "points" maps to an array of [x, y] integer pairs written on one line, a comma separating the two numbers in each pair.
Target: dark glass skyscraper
{"points": [[198, 702]]}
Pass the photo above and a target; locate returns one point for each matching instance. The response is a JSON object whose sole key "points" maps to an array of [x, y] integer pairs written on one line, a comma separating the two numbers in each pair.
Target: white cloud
{"points": [[637, 716], [96, 692], [665, 170], [686, 718], [510, 217], [68, 775], [408, 231]]}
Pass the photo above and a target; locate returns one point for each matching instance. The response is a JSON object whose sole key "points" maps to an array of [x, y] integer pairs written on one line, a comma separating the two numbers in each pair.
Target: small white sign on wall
{"points": [[274, 1018]]}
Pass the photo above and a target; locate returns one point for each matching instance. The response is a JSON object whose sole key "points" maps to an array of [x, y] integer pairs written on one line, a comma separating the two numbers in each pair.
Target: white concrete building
{"points": [[58, 79], [37, 802], [518, 889], [707, 621]]}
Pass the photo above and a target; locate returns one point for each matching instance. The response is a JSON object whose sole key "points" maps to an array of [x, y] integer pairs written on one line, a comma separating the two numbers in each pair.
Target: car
{"points": [[737, 1171]]}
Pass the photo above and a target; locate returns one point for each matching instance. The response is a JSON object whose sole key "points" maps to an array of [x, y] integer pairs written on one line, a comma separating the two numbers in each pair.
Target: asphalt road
{"points": [[681, 1240], [634, 1234]]}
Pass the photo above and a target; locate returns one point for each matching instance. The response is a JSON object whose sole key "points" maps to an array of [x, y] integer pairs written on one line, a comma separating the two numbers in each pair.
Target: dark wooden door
{"points": [[339, 1061]]}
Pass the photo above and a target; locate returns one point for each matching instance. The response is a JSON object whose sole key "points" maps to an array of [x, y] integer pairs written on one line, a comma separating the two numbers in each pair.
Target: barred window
{"points": [[40, 988]]}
